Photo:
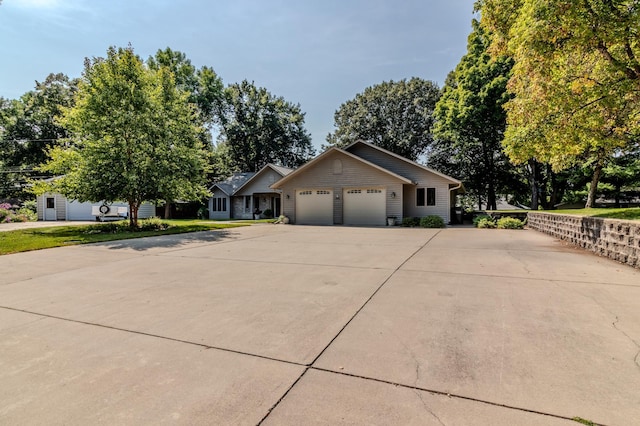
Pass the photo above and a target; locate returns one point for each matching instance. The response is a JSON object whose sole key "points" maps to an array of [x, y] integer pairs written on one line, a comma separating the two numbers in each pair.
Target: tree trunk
{"points": [[534, 184], [133, 214], [479, 201], [167, 210], [491, 198], [556, 194], [597, 172]]}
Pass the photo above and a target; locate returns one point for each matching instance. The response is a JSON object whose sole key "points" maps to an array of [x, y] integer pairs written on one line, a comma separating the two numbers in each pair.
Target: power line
{"points": [[29, 140]]}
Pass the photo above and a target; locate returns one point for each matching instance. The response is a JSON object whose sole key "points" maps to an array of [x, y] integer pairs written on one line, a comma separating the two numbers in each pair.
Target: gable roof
{"points": [[230, 185], [400, 157], [282, 171], [308, 164]]}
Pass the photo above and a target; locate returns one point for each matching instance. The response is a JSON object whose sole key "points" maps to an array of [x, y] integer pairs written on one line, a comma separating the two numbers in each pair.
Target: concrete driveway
{"points": [[296, 325]]}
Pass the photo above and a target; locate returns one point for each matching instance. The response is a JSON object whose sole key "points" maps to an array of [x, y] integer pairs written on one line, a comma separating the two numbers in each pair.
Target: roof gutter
{"points": [[455, 187]]}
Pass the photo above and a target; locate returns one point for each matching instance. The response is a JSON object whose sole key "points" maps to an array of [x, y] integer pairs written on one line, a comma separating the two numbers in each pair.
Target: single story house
{"points": [[363, 184], [239, 196], [55, 206]]}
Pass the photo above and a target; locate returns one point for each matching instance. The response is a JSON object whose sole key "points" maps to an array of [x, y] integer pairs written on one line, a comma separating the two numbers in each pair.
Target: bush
{"points": [[203, 213], [432, 221], [410, 222], [480, 217], [151, 224], [510, 223], [268, 213], [486, 223], [22, 215], [31, 205], [29, 214]]}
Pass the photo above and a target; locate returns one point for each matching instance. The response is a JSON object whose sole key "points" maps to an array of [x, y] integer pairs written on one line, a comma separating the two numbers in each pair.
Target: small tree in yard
{"points": [[134, 137]]}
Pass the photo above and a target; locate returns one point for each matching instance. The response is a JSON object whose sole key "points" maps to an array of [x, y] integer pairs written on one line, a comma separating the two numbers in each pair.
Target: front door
{"points": [[276, 206], [50, 208]]}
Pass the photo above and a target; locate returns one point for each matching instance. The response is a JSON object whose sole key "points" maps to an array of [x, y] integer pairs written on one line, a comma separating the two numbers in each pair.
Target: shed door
{"points": [[79, 211], [314, 207], [50, 208], [365, 206]]}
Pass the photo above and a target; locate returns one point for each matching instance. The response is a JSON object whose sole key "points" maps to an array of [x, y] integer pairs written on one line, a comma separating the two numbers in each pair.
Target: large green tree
{"points": [[134, 137], [576, 79], [470, 121], [259, 128], [206, 94], [395, 115], [28, 128], [204, 86]]}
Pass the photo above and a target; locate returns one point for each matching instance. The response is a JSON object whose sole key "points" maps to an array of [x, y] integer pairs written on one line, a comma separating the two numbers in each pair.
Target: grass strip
{"points": [[42, 238], [631, 213]]}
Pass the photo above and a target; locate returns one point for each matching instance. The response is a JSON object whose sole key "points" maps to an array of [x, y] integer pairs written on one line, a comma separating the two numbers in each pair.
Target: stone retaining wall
{"points": [[616, 239]]}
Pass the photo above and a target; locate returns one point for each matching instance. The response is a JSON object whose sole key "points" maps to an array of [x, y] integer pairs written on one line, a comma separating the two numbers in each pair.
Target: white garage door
{"points": [[314, 207], [365, 206], [79, 211]]}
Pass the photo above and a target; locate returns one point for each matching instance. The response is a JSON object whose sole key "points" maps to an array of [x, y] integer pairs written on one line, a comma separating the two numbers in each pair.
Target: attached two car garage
{"points": [[360, 206]]}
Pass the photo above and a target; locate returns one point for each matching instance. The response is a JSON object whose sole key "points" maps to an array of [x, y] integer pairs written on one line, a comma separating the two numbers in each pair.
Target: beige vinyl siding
{"points": [[338, 207], [354, 174], [61, 205], [441, 208], [260, 184], [423, 178], [40, 206]]}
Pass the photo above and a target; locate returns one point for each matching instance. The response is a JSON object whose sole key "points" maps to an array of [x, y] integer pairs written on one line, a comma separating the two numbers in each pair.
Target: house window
{"points": [[220, 204], [420, 197], [247, 202], [51, 204], [431, 196], [425, 196], [214, 206]]}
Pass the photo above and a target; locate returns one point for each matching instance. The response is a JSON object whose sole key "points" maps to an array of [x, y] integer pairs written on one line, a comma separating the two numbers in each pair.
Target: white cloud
{"points": [[44, 4], [35, 3]]}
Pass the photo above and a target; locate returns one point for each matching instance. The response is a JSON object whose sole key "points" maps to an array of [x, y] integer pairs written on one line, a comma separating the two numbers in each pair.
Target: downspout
{"points": [[450, 190]]}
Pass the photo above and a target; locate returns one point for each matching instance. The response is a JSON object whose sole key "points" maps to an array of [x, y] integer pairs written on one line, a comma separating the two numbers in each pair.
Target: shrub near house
{"points": [[9, 215]]}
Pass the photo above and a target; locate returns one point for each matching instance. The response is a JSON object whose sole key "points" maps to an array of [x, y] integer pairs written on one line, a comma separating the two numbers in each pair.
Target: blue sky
{"points": [[315, 53]]}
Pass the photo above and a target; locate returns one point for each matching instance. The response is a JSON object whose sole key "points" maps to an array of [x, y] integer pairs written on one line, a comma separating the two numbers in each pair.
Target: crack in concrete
{"points": [[307, 367], [447, 394], [541, 279], [427, 409], [614, 323]]}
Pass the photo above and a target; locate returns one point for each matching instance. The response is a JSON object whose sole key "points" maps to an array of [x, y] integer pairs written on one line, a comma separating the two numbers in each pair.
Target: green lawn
{"points": [[41, 238], [632, 213]]}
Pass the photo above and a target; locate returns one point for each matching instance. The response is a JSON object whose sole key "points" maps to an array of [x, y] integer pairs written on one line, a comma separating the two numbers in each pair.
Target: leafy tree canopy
{"points": [[260, 128], [396, 116], [576, 78], [134, 137], [204, 86], [470, 121], [28, 128]]}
